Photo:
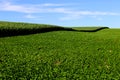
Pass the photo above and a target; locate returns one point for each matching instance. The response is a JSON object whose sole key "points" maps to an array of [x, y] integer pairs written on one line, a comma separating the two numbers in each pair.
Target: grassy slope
{"points": [[16, 28], [21, 25], [61, 55]]}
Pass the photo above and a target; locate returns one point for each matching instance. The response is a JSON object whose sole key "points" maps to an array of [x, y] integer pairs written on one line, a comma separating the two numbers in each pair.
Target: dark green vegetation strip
{"points": [[94, 30], [61, 55], [14, 28]]}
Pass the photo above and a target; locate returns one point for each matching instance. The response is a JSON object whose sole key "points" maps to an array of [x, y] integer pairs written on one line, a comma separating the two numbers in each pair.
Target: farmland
{"points": [[64, 55]]}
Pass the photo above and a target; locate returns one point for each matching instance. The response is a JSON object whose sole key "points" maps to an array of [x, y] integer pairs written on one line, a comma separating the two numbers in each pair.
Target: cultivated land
{"points": [[59, 54]]}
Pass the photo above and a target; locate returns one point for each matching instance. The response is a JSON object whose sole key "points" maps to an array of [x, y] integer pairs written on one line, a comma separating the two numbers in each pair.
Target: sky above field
{"points": [[62, 12]]}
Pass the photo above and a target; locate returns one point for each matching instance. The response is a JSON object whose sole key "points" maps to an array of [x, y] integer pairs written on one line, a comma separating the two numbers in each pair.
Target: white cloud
{"points": [[7, 6], [50, 8], [51, 4], [72, 15], [97, 18], [36, 8], [33, 17], [30, 16]]}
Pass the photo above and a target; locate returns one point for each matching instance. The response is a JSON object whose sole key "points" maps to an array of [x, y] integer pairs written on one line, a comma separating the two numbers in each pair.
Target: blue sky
{"points": [[62, 12]]}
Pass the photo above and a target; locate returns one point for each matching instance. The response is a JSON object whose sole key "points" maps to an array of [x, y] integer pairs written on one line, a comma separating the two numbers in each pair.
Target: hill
{"points": [[64, 55], [16, 28]]}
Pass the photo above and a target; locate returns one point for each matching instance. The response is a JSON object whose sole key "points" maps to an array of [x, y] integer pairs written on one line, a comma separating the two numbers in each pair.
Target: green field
{"points": [[60, 55]]}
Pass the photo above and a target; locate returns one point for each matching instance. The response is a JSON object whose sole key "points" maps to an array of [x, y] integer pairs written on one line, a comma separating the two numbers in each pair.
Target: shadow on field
{"points": [[17, 32]]}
